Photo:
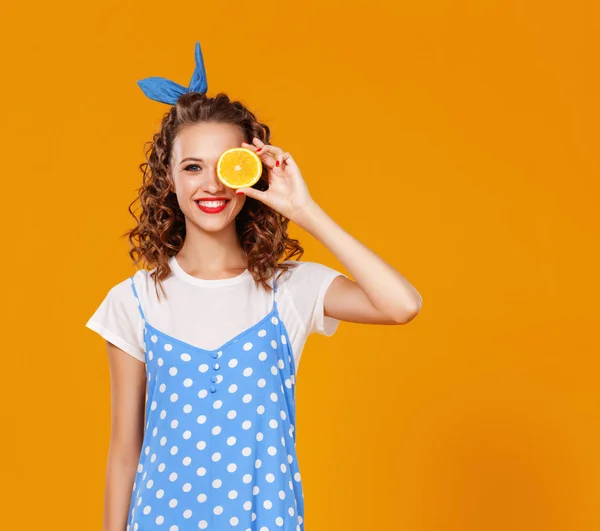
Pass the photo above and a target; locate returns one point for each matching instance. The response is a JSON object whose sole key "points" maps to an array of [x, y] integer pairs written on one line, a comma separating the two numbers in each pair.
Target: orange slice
{"points": [[239, 167]]}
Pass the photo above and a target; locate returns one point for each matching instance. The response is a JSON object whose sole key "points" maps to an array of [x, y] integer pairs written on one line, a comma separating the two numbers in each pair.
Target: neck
{"points": [[212, 255]]}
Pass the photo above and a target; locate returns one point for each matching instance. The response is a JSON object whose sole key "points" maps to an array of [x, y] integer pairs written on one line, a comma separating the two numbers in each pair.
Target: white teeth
{"points": [[211, 204]]}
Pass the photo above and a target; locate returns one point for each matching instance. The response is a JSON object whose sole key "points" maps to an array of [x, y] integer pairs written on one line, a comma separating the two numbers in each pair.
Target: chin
{"points": [[213, 223], [214, 230], [214, 226]]}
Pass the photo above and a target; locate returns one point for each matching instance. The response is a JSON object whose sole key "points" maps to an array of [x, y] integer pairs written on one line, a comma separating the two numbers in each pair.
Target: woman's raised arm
{"points": [[379, 294]]}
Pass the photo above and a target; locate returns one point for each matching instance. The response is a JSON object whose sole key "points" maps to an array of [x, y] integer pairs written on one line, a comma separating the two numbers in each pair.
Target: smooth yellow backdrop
{"points": [[456, 139]]}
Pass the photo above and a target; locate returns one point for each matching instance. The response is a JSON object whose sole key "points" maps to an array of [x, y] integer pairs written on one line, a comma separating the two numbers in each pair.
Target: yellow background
{"points": [[456, 139]]}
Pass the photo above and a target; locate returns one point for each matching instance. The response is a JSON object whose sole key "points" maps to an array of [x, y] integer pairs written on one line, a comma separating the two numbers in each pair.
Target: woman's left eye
{"points": [[191, 166]]}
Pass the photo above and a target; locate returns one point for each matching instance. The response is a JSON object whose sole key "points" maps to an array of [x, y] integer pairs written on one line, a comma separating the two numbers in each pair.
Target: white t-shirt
{"points": [[208, 313]]}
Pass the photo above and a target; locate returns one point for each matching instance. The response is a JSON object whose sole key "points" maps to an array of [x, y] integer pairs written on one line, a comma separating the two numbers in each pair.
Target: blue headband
{"points": [[167, 91]]}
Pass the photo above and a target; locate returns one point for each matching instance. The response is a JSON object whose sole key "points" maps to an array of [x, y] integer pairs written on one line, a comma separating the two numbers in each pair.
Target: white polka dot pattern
{"points": [[219, 448]]}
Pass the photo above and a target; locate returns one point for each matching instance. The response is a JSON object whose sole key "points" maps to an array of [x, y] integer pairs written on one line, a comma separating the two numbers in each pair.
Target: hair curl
{"points": [[160, 230]]}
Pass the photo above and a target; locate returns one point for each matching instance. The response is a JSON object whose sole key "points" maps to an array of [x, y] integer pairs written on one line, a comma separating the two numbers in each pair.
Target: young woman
{"points": [[203, 373]]}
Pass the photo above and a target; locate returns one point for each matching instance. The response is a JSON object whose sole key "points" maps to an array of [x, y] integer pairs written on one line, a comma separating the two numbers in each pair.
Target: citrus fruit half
{"points": [[239, 167]]}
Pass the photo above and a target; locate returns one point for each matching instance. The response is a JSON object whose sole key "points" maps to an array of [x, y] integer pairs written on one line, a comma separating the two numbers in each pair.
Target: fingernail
{"points": [[259, 149], [277, 163], [239, 193]]}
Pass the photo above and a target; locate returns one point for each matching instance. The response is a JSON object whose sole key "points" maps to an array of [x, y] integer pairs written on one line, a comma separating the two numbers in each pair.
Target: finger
{"points": [[261, 147], [252, 192], [284, 158], [266, 157], [273, 150], [255, 145], [269, 155], [272, 156]]}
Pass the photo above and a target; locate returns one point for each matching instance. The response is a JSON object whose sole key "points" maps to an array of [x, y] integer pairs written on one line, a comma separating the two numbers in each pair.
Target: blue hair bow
{"points": [[167, 91]]}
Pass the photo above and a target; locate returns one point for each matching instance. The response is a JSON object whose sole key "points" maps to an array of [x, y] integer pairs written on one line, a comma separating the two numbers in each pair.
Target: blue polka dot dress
{"points": [[219, 448]]}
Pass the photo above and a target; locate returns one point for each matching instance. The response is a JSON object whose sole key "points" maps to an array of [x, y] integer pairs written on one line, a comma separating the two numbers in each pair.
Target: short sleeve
{"points": [[307, 285], [118, 320]]}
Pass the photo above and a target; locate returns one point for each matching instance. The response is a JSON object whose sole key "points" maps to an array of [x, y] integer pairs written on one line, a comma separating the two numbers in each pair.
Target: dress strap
{"points": [[137, 298], [273, 301]]}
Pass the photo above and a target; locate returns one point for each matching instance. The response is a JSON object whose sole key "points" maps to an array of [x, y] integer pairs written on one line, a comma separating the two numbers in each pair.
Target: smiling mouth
{"points": [[212, 206]]}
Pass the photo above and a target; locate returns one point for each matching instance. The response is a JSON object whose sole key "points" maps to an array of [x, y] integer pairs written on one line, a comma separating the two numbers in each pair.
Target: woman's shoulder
{"points": [[117, 319], [303, 273], [123, 290], [307, 265], [304, 286]]}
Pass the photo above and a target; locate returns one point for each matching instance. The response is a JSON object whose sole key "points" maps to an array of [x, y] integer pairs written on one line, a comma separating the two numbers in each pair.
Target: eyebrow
{"points": [[192, 158]]}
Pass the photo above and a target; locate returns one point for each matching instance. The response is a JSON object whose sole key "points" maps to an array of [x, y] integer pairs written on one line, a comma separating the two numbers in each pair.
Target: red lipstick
{"points": [[212, 205]]}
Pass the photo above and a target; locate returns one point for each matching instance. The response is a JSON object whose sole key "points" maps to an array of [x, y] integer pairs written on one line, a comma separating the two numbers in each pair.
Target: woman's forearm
{"points": [[120, 475], [385, 287]]}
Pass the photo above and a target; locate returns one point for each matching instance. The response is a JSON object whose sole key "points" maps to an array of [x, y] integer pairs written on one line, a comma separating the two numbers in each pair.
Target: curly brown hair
{"points": [[160, 230]]}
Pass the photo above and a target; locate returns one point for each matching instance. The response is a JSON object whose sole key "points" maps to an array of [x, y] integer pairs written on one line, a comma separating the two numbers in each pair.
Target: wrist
{"points": [[304, 216]]}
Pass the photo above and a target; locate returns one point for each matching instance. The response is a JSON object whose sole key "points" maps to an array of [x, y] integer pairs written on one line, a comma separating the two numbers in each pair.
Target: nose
{"points": [[213, 184]]}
